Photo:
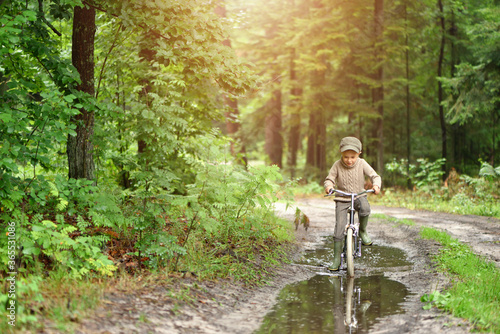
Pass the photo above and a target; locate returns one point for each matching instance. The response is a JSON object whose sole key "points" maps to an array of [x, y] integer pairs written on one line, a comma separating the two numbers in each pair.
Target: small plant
{"points": [[435, 299]]}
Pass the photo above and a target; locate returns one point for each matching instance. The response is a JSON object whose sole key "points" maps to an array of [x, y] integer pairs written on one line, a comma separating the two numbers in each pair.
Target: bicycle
{"points": [[352, 246], [352, 299]]}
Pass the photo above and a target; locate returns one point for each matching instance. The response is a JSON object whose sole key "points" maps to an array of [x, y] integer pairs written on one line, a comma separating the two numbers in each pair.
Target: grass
{"points": [[58, 298], [475, 292]]}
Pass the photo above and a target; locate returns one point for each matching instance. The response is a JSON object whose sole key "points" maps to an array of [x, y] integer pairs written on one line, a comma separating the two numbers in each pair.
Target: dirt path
{"points": [[226, 307]]}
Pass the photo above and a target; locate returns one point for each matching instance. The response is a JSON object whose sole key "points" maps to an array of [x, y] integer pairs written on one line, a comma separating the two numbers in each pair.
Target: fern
{"points": [[487, 170], [82, 223], [54, 241], [62, 205]]}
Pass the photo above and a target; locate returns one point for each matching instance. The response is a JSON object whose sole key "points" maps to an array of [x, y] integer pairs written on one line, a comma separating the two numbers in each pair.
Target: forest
{"points": [[155, 135]]}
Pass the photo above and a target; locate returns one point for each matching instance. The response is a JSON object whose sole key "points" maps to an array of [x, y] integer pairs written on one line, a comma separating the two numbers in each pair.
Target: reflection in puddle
{"points": [[337, 304], [323, 303]]}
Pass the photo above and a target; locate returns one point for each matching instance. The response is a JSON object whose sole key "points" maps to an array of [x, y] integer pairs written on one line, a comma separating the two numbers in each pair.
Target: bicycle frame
{"points": [[351, 225]]}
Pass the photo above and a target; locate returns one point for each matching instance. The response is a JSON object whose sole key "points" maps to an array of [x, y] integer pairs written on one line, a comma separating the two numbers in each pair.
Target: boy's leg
{"points": [[338, 234], [363, 222], [341, 210], [363, 208]]}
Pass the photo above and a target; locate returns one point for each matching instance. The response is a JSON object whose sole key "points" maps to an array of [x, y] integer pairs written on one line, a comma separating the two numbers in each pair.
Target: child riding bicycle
{"points": [[348, 174]]}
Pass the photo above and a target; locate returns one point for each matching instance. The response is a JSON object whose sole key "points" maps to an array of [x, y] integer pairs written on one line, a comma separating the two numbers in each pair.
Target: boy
{"points": [[348, 175]]}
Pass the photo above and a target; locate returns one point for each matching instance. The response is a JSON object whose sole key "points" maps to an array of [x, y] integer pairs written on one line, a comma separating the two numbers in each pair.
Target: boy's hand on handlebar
{"points": [[376, 190], [329, 191]]}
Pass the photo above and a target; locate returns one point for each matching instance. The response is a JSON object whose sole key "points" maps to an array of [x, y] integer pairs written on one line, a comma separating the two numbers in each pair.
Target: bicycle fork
{"points": [[357, 243]]}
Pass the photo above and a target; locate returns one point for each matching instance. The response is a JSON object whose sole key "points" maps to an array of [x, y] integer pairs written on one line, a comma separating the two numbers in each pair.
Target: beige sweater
{"points": [[351, 179]]}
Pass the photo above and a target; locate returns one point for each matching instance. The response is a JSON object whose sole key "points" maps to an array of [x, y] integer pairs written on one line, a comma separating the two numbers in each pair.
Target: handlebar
{"points": [[344, 194]]}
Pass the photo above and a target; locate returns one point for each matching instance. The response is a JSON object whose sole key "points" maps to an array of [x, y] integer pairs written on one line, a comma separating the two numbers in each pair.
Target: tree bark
{"points": [[274, 139], [316, 140], [456, 152], [146, 54], [294, 135], [408, 99], [80, 147], [311, 140], [440, 85], [378, 92]]}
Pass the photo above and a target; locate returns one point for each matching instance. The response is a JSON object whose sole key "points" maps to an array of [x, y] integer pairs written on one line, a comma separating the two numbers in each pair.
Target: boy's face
{"points": [[349, 157]]}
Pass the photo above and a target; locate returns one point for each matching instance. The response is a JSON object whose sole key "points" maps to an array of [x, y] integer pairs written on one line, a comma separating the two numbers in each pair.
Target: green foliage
{"points": [[474, 293], [460, 194], [36, 105], [26, 292], [79, 255], [53, 299], [169, 101], [226, 207], [425, 175], [487, 170], [148, 224], [435, 298], [477, 83]]}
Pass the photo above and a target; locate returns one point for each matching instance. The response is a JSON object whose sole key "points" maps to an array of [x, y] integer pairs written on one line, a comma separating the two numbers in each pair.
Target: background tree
{"points": [[378, 90], [80, 146]]}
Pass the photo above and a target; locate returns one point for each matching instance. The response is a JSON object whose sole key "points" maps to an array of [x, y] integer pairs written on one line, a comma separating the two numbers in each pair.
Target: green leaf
{"points": [[69, 98], [5, 117]]}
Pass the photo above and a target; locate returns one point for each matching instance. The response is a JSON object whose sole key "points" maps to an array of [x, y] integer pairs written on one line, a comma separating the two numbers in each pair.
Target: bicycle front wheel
{"points": [[348, 302], [350, 252]]}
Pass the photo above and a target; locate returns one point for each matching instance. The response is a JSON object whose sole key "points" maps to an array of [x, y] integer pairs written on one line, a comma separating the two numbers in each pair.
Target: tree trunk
{"points": [[408, 109], [274, 140], [455, 155], [440, 86], [378, 92], [316, 140], [146, 54], [294, 136], [321, 140], [80, 147], [311, 140]]}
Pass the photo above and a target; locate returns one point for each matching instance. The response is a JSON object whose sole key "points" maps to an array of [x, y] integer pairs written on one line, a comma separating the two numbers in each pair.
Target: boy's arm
{"points": [[330, 180], [374, 177]]}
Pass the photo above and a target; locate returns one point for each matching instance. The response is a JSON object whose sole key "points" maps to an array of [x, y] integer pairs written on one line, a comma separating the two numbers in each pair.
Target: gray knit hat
{"points": [[350, 143]]}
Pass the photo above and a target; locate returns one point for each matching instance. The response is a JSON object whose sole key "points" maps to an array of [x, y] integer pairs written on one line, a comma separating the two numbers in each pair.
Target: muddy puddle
{"points": [[374, 258], [332, 302]]}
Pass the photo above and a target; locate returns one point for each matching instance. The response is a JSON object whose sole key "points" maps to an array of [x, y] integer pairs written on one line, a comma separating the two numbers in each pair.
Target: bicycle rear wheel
{"points": [[350, 252]]}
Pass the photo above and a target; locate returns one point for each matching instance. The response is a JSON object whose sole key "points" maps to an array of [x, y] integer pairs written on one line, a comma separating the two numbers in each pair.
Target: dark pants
{"points": [[361, 205]]}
